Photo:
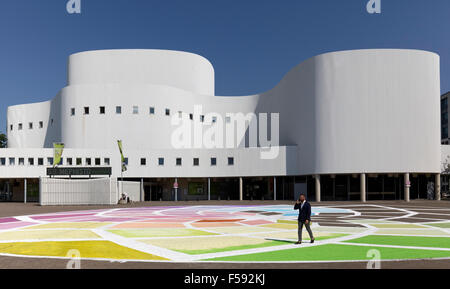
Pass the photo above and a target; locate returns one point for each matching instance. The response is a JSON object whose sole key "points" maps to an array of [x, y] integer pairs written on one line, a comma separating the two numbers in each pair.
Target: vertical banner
{"points": [[58, 149], [124, 167]]}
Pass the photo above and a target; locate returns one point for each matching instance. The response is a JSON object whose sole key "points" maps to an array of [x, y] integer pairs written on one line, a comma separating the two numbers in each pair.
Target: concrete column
{"points": [[209, 189], [407, 187], [176, 190], [241, 189], [25, 191], [317, 178], [142, 197], [437, 188], [363, 188], [274, 188]]}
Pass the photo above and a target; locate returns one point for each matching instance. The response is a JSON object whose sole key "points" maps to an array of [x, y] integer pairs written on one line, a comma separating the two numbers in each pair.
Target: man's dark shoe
{"points": [[312, 241], [298, 243]]}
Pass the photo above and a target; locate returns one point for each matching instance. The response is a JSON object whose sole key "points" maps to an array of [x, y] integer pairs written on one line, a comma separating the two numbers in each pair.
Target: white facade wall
{"points": [[363, 111]]}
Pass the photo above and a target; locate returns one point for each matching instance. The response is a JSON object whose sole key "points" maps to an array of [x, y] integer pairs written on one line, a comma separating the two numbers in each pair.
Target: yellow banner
{"points": [[58, 149], [124, 167]]}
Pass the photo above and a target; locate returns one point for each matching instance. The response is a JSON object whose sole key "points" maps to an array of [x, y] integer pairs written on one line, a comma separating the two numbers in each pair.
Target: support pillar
{"points": [[437, 188], [317, 178], [25, 191], [407, 187], [363, 188], [241, 189], [142, 197], [209, 189], [274, 188], [176, 190]]}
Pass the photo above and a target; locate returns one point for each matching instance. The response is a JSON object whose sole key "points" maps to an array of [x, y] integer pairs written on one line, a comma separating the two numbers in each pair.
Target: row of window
{"points": [[98, 161], [31, 126]]}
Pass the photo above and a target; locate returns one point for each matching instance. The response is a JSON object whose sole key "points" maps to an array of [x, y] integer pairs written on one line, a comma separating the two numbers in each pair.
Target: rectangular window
{"points": [[214, 119], [161, 161], [88, 161], [167, 112], [143, 161], [41, 124], [118, 110], [40, 161], [79, 161], [69, 161], [196, 162], [228, 119], [135, 109], [21, 161], [11, 127], [152, 110], [179, 162], [191, 116], [12, 161], [180, 114], [230, 161], [102, 110], [86, 110], [2, 162], [72, 111], [20, 126], [31, 161], [106, 161], [50, 161], [98, 161], [30, 125], [213, 161], [202, 118]]}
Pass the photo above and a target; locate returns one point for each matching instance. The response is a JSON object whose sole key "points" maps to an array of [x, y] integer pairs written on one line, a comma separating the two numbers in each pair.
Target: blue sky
{"points": [[251, 43]]}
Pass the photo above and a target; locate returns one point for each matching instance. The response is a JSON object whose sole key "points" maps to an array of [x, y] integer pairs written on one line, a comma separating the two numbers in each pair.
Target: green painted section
{"points": [[233, 248], [411, 241], [160, 232], [440, 225], [335, 252]]}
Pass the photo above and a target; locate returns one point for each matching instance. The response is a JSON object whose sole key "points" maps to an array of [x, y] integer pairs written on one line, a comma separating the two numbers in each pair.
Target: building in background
{"points": [[444, 118], [353, 125]]}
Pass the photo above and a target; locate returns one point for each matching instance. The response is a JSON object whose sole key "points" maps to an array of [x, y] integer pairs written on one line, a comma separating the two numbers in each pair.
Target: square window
{"points": [[12, 161], [40, 161], [135, 109], [118, 110], [143, 161], [106, 161], [98, 161], [230, 161], [31, 161], [72, 111], [41, 124], [161, 161], [88, 161], [69, 161], [2, 162], [21, 161], [102, 110], [30, 125], [167, 112], [50, 161], [20, 126], [152, 110], [196, 162], [179, 162], [79, 161], [213, 161], [86, 110]]}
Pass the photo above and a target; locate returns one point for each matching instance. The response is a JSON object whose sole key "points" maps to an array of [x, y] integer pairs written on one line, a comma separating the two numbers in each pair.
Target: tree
{"points": [[3, 141]]}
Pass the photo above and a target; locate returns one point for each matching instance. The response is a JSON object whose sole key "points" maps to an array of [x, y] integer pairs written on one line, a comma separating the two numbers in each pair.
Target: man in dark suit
{"points": [[304, 217]]}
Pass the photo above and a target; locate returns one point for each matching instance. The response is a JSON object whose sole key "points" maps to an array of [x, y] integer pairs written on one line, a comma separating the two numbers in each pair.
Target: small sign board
{"points": [[175, 185], [98, 171]]}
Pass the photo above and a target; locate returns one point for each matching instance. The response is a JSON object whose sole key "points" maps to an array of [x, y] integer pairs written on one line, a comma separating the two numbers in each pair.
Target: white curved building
{"points": [[361, 124]]}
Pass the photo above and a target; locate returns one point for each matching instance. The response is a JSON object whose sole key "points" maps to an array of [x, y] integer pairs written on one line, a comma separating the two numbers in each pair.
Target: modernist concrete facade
{"points": [[353, 124]]}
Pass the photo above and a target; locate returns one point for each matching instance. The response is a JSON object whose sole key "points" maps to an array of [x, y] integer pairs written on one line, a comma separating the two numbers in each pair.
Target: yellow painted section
{"points": [[88, 249], [241, 230], [282, 226], [74, 225], [47, 234], [393, 226]]}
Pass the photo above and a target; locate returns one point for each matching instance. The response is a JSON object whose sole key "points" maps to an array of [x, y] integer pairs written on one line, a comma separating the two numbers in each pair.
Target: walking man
{"points": [[304, 218]]}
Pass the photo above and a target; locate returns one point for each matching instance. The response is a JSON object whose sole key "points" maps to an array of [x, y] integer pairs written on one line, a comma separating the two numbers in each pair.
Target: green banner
{"points": [[58, 149], [124, 167]]}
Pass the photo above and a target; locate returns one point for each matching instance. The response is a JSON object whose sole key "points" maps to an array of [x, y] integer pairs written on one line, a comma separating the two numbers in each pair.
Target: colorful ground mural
{"points": [[230, 234]]}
